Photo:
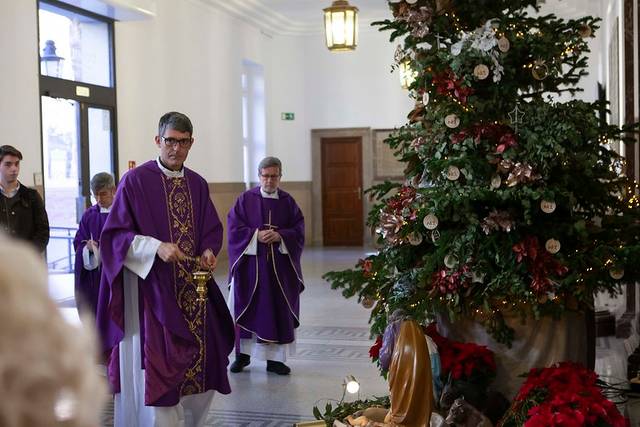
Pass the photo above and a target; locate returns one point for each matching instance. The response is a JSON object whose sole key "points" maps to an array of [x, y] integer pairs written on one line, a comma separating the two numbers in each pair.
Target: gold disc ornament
{"points": [[496, 181], [552, 246], [585, 31], [452, 121], [539, 71], [414, 238], [453, 173], [504, 44], [481, 71], [430, 222], [548, 206], [450, 261], [616, 273]]}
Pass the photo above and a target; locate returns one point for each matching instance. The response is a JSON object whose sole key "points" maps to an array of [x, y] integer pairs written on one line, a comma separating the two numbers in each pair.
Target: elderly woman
{"points": [[48, 373], [87, 246]]}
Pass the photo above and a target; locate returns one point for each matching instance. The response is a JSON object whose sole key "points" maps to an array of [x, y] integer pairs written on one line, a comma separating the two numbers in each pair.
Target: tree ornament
{"points": [[539, 71], [585, 31], [548, 206], [453, 173], [430, 222], [477, 277], [616, 273], [452, 121], [425, 98], [515, 116], [414, 238], [435, 235], [504, 44], [552, 246], [481, 71], [368, 302], [496, 181], [411, 1], [450, 261]]}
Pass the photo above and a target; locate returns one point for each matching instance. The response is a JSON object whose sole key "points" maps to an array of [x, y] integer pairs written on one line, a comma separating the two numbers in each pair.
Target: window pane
{"points": [[100, 156], [82, 46]]}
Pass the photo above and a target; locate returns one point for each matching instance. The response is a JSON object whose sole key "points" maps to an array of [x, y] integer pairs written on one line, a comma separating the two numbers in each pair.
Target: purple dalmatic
{"points": [[267, 286], [184, 345], [87, 282]]}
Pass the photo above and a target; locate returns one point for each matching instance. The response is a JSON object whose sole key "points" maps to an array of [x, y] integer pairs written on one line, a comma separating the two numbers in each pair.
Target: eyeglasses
{"points": [[173, 142], [265, 176]]}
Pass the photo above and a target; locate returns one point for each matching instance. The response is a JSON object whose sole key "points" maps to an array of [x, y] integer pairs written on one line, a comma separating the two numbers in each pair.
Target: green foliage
{"points": [[487, 256], [344, 409]]}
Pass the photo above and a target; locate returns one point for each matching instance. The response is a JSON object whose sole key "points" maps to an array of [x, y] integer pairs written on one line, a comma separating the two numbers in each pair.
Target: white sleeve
{"points": [[283, 248], [90, 260], [252, 247], [141, 255]]}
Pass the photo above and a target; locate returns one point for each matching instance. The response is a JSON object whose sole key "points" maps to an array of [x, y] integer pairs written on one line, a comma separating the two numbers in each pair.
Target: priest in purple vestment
{"points": [[87, 245], [266, 238], [168, 352]]}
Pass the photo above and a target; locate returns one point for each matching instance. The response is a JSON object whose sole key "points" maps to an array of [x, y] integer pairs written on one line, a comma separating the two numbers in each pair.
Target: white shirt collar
{"points": [[105, 210], [169, 172], [266, 195], [11, 193]]}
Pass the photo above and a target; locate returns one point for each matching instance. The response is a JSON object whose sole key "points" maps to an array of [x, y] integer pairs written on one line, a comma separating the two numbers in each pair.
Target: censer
{"points": [[201, 277]]}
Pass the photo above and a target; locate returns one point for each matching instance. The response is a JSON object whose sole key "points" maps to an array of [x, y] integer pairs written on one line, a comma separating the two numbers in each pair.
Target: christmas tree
{"points": [[513, 201]]}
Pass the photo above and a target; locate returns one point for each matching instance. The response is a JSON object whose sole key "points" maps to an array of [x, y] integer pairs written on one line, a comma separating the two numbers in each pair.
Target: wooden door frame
{"points": [[316, 174]]}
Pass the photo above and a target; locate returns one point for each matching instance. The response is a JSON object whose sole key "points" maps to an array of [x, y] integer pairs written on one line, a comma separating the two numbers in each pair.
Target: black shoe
{"points": [[278, 367], [239, 364]]}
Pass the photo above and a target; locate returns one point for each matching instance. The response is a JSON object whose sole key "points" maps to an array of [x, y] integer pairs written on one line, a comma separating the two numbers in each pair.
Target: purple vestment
{"points": [[184, 345], [87, 282], [266, 286]]}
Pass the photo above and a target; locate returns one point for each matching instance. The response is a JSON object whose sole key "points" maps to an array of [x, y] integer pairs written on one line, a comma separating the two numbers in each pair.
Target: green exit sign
{"points": [[287, 116]]}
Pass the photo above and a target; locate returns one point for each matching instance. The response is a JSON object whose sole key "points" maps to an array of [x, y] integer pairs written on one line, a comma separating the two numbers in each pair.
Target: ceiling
{"points": [[300, 17]]}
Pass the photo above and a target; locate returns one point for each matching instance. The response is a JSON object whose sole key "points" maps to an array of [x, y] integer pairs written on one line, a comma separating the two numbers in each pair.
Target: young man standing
{"points": [[22, 213]]}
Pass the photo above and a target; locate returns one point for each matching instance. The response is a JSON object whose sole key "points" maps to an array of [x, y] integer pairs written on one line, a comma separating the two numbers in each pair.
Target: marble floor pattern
{"points": [[332, 342]]}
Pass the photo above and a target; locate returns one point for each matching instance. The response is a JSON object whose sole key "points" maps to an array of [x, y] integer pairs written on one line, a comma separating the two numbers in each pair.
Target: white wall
{"points": [[19, 99]]}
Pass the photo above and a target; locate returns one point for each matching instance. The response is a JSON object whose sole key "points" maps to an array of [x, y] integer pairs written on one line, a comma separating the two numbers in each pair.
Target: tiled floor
{"points": [[332, 342]]}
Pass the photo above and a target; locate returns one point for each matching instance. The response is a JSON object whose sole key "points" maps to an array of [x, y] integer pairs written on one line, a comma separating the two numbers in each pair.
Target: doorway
{"points": [[342, 213]]}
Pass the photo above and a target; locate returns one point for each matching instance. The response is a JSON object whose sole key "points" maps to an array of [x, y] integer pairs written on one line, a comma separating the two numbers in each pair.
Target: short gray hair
{"points": [[102, 180], [176, 121], [268, 162]]}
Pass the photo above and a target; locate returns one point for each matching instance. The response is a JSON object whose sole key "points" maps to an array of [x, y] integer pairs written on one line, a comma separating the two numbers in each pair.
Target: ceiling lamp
{"points": [[341, 26]]}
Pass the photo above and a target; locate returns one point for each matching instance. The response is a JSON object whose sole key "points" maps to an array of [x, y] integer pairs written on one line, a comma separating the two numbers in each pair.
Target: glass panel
{"points": [[74, 47], [61, 157], [100, 141]]}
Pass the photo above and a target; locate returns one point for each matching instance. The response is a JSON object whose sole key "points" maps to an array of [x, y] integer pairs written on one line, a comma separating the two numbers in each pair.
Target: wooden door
{"points": [[342, 219]]}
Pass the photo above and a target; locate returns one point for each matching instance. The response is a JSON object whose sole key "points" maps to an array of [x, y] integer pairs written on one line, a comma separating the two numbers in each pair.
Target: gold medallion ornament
{"points": [[481, 71], [585, 31], [552, 246], [430, 222], [453, 173], [452, 121], [616, 273], [414, 238], [539, 71], [368, 302], [425, 98], [504, 44], [548, 206], [496, 181]]}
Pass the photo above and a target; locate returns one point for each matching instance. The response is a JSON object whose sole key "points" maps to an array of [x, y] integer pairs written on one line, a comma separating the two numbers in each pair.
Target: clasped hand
{"points": [[269, 236], [92, 245], [170, 252]]}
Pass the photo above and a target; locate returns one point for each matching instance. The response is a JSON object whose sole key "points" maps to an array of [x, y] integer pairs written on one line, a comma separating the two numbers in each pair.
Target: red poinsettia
{"points": [[367, 267], [464, 361], [564, 395], [445, 281], [502, 135], [540, 263], [374, 351], [447, 83]]}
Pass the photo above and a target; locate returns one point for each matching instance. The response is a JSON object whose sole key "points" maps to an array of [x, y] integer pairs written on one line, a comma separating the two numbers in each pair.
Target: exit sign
{"points": [[287, 116]]}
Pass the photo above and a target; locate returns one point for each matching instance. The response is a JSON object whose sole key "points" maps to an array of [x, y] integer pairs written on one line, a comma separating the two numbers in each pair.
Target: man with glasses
{"points": [[167, 351], [266, 238], [22, 212], [87, 270]]}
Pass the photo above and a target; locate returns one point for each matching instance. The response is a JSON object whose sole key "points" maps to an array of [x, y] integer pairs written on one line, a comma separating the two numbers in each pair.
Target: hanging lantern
{"points": [[51, 62], [341, 26], [407, 73]]}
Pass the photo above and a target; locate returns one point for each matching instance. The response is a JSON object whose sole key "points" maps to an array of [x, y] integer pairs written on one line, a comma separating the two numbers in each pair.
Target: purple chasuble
{"points": [[87, 282], [266, 286], [184, 345]]}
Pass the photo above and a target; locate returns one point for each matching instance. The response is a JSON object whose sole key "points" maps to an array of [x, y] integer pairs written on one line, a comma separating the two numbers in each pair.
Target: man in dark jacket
{"points": [[22, 211]]}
